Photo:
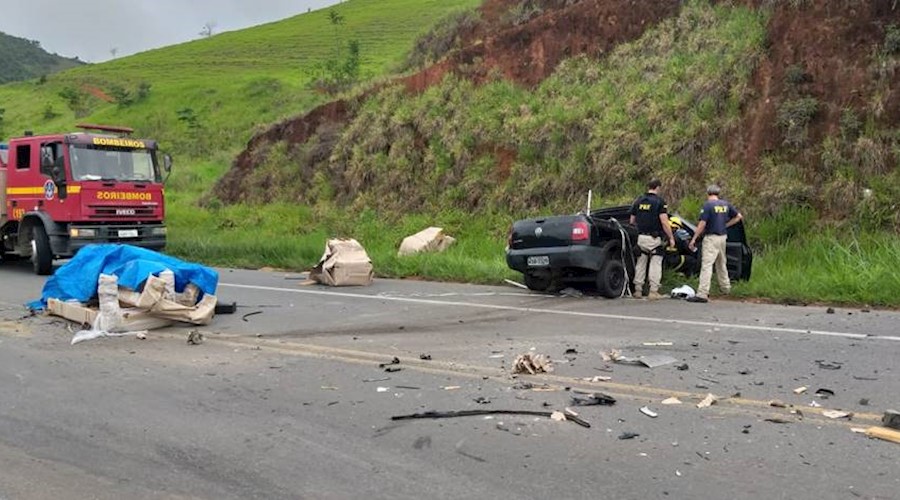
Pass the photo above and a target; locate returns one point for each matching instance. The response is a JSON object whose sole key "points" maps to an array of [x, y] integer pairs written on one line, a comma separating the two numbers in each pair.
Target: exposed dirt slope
{"points": [[526, 53], [832, 42]]}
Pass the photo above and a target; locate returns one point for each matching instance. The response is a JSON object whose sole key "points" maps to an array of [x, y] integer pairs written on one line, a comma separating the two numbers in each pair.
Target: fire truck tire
{"points": [[41, 255]]}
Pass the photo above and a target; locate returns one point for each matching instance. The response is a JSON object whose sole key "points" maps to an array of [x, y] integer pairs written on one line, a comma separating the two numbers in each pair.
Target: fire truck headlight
{"points": [[158, 231], [82, 232]]}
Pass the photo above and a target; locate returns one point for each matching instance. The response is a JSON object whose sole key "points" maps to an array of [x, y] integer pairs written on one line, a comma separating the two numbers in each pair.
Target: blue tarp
{"points": [[78, 278]]}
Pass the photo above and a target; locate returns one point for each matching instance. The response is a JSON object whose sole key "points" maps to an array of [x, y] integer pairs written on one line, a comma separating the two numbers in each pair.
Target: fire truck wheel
{"points": [[41, 255]]}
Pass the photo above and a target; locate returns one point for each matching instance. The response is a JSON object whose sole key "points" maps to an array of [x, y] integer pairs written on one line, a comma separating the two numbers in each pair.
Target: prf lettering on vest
{"points": [[720, 209], [123, 196], [644, 206]]}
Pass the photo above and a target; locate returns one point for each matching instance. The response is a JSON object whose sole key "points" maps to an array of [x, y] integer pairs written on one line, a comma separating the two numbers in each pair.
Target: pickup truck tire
{"points": [[545, 283], [611, 280], [41, 255]]}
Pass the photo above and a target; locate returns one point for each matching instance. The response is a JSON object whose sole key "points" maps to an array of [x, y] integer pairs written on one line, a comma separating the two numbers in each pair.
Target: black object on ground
{"points": [[593, 399], [825, 393], [254, 313], [395, 361], [697, 300], [891, 419], [828, 365], [392, 369], [830, 310], [628, 435], [425, 357], [225, 308], [682, 367], [473, 413]]}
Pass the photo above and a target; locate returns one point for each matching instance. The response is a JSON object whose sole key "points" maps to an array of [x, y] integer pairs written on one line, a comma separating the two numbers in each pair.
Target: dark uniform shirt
{"points": [[717, 213], [646, 210]]}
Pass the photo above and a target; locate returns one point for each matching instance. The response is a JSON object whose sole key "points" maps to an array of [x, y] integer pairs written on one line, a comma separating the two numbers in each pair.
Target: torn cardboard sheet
{"points": [[532, 364], [344, 263], [432, 239]]}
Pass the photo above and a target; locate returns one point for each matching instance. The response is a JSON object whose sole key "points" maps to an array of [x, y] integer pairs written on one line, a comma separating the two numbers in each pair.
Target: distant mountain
{"points": [[22, 59]]}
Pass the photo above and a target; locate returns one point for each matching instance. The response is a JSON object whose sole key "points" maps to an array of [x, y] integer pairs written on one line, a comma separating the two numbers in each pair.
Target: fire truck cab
{"points": [[59, 193]]}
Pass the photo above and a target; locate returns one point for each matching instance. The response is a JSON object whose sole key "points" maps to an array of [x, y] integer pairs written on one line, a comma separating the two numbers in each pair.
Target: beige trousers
{"points": [[714, 254], [648, 244]]}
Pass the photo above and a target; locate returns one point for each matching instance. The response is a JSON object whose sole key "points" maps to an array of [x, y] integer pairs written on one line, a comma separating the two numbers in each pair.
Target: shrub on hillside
{"points": [[892, 39], [793, 117]]}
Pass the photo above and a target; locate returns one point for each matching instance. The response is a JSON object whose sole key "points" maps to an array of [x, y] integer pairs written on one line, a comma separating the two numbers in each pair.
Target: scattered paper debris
{"points": [[815, 404], [532, 364], [382, 389], [657, 344], [801, 390], [647, 411], [650, 361], [557, 416], [671, 401], [708, 401], [597, 378], [451, 387], [835, 414]]}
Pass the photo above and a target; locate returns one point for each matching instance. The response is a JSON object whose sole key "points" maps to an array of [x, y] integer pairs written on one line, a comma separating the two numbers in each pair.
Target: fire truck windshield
{"points": [[93, 163]]}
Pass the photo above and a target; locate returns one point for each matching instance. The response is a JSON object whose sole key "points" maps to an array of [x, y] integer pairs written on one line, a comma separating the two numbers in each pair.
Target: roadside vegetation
{"points": [[472, 158]]}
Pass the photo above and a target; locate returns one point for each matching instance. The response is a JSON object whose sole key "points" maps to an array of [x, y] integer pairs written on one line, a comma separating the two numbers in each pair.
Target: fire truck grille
{"points": [[104, 211]]}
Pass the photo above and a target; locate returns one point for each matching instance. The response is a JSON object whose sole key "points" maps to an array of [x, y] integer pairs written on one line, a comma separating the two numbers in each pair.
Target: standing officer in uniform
{"points": [[716, 217], [650, 214]]}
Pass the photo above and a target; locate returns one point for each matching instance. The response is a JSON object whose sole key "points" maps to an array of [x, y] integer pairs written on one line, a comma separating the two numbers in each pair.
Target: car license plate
{"points": [[128, 233], [539, 261]]}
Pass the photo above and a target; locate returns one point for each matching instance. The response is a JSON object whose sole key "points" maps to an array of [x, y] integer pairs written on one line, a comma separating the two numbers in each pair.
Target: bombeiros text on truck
{"points": [[61, 192]]}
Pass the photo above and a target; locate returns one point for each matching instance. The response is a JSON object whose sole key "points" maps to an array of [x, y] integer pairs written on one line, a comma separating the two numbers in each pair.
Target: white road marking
{"points": [[623, 317]]}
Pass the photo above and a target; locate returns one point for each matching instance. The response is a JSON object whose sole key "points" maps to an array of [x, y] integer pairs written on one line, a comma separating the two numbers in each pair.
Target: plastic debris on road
{"points": [[650, 361]]}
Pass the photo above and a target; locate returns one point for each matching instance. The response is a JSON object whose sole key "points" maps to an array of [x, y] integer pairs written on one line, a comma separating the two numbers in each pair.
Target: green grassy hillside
{"points": [[232, 83], [24, 59]]}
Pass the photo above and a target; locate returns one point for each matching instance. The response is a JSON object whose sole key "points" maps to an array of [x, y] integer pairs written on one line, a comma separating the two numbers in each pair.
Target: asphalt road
{"points": [[286, 399]]}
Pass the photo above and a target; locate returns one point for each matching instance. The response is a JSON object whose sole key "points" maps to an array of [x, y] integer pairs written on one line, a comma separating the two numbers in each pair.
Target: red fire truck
{"points": [[61, 192]]}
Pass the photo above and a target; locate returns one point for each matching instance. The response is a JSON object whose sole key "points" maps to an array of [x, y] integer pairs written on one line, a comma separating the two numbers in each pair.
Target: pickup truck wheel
{"points": [[541, 282], [41, 255], [611, 279]]}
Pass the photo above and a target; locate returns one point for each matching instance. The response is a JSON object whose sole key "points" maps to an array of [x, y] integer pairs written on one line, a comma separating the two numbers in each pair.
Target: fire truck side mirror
{"points": [[59, 177], [167, 163]]}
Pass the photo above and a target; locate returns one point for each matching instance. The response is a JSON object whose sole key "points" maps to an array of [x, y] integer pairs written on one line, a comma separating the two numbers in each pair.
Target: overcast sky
{"points": [[89, 29]]}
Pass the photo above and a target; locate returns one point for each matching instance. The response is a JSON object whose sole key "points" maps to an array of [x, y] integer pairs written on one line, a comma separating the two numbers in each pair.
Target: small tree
{"points": [[208, 29]]}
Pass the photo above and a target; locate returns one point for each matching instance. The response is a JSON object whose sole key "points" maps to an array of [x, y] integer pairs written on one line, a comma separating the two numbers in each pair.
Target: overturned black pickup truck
{"points": [[600, 249]]}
